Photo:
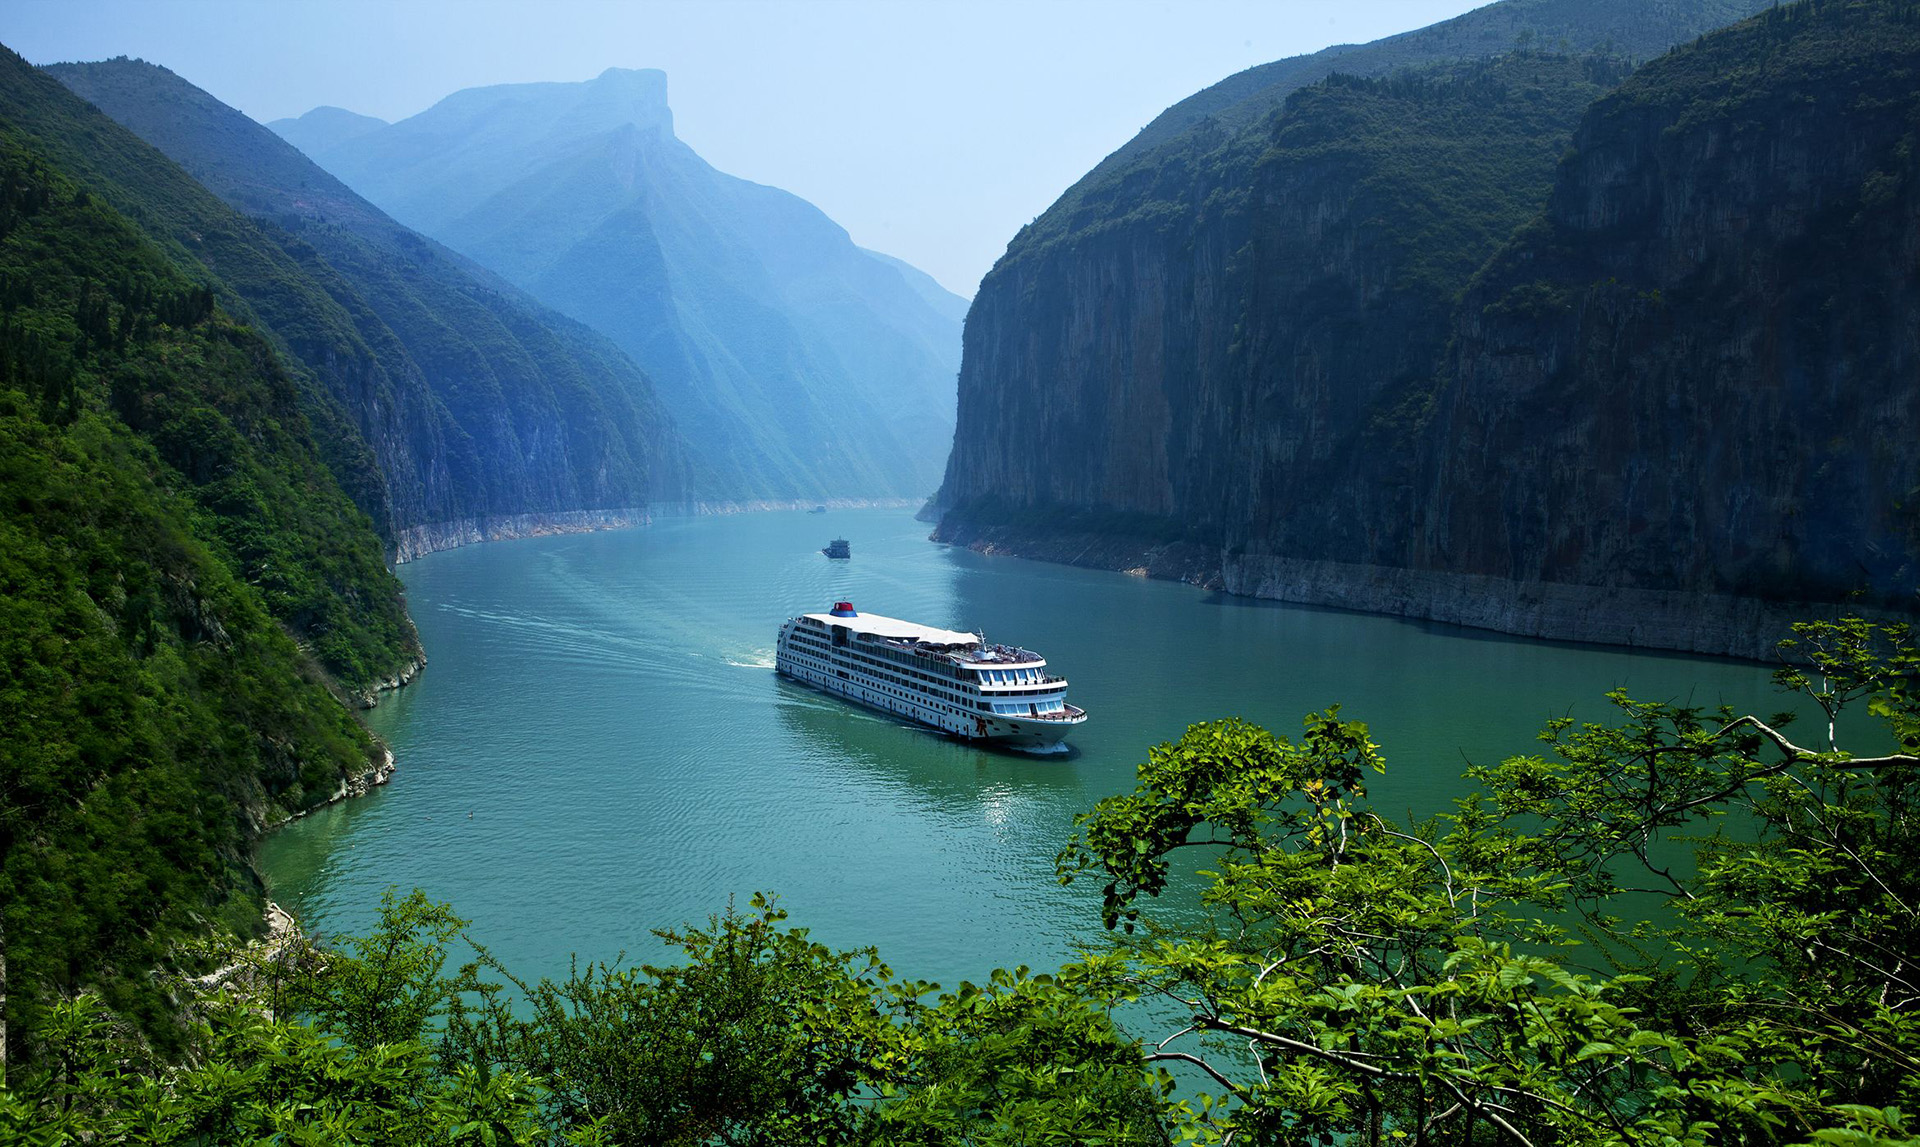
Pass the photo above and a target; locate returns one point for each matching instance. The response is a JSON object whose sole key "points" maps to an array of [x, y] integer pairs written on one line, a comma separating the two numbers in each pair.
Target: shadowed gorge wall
{"points": [[1307, 362]]}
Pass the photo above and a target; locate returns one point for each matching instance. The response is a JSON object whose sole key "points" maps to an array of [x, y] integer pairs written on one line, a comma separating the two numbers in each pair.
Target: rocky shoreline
{"points": [[1718, 625], [368, 697], [419, 541], [358, 785], [1711, 624]]}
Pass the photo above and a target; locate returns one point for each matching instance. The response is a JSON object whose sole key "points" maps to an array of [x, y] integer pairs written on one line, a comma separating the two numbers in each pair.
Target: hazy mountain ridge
{"points": [[365, 403], [822, 369], [549, 420], [1228, 368], [324, 127]]}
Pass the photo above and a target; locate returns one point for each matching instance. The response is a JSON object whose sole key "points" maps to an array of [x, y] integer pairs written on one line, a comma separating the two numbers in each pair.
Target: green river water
{"points": [[600, 745]]}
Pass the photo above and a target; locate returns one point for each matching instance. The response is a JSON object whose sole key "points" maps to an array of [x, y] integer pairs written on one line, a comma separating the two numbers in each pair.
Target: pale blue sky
{"points": [[930, 130]]}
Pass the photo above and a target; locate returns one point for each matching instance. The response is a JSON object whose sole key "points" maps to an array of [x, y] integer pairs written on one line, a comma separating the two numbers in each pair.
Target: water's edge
{"points": [[434, 537], [1714, 625]]}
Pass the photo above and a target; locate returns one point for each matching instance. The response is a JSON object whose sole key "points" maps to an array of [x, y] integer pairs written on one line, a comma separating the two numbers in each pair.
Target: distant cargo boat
{"points": [[952, 681], [838, 548], [818, 510]]}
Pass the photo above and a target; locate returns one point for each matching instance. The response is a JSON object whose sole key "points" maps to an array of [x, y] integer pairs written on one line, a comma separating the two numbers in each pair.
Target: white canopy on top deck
{"points": [[893, 627]]}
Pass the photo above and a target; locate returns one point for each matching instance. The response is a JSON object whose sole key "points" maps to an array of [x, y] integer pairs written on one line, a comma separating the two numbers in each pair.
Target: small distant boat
{"points": [[838, 548], [818, 510]]}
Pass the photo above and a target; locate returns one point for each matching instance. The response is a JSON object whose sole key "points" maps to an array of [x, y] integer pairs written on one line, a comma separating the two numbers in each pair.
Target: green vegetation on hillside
{"points": [[1447, 160], [327, 357], [1450, 157], [1630, 30], [181, 585], [89, 300], [1494, 976]]}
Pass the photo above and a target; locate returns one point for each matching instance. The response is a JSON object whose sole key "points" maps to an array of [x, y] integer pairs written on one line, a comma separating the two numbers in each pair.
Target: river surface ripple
{"points": [[600, 745]]}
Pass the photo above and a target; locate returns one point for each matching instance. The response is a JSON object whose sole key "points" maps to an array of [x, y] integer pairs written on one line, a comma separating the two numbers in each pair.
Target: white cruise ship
{"points": [[952, 681]]}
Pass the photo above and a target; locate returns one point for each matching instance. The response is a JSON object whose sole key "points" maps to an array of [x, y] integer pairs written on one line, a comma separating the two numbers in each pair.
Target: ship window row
{"points": [[1026, 708], [883, 667], [903, 658], [914, 698], [895, 663], [1012, 676], [880, 665], [1022, 708], [890, 672]]}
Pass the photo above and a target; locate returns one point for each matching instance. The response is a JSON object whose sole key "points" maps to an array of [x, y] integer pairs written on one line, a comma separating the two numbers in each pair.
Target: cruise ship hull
{"points": [[995, 695], [1004, 732]]}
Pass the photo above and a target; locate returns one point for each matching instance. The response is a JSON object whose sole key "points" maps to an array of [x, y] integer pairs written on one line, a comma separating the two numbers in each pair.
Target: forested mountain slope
{"points": [[1297, 401], [546, 422], [373, 413], [816, 368], [182, 583]]}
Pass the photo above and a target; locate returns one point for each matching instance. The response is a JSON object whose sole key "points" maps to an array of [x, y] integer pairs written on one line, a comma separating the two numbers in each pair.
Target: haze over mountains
{"points": [[480, 412], [798, 364]]}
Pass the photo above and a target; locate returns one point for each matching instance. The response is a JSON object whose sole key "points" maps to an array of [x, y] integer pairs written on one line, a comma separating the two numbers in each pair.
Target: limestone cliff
{"points": [[1699, 371], [1202, 366], [1675, 408]]}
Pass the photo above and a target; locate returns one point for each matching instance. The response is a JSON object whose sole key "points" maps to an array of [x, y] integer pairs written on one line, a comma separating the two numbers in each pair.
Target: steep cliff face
{"points": [[797, 364], [1295, 310], [1700, 370], [500, 416], [1674, 409], [1205, 365]]}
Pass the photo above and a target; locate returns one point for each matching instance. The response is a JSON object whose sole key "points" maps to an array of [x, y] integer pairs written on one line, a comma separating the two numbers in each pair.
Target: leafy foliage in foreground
{"points": [[167, 536], [1342, 979], [1351, 977], [761, 1037]]}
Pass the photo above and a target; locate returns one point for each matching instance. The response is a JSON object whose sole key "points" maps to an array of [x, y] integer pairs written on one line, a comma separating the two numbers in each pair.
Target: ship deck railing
{"points": [[999, 654], [1070, 713], [1045, 679]]}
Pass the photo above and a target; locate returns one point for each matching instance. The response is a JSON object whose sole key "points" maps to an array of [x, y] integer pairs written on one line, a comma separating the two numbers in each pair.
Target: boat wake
{"points": [[1057, 749]]}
